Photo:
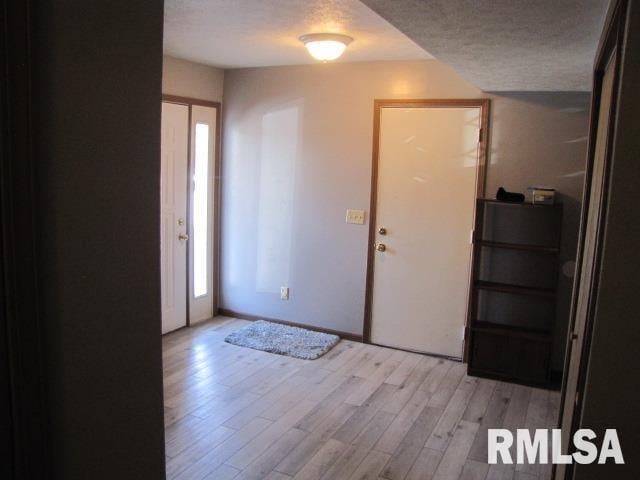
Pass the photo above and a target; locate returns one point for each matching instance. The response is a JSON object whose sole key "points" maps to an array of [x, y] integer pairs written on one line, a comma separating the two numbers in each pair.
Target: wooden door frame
{"points": [[611, 43], [24, 443], [378, 105], [217, 186]]}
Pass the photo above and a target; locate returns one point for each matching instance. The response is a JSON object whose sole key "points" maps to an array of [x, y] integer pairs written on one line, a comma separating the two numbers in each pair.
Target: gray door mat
{"points": [[283, 340]]}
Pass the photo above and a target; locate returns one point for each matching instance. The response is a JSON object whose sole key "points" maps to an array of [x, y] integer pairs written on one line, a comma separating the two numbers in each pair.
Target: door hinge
{"points": [[479, 135]]}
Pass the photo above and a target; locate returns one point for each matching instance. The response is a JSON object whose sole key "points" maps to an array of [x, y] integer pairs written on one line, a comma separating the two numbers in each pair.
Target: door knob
{"points": [[183, 236], [381, 247]]}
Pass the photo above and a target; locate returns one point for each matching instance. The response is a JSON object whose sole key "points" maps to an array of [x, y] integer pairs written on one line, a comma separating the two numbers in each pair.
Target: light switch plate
{"points": [[355, 216], [284, 293]]}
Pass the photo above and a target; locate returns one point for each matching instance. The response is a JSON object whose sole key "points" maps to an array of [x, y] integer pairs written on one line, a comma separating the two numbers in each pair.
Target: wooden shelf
{"points": [[512, 330], [493, 201], [514, 289], [519, 246], [522, 352]]}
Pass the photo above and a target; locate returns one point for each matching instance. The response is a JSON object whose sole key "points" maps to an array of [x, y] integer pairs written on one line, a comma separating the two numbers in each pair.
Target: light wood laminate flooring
{"points": [[359, 412]]}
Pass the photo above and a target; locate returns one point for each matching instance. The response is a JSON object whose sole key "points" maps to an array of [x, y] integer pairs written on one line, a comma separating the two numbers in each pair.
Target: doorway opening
{"points": [[190, 186]]}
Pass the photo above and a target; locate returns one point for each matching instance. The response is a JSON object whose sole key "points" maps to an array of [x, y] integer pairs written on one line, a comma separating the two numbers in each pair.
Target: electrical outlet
{"points": [[284, 293], [355, 216]]}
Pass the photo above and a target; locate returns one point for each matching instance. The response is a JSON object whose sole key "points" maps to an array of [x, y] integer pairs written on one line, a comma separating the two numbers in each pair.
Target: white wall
{"points": [[194, 80], [294, 233]]}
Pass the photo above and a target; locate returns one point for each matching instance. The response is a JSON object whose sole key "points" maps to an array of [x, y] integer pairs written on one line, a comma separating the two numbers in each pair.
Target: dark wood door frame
{"points": [[611, 46], [379, 104], [23, 416], [190, 102]]}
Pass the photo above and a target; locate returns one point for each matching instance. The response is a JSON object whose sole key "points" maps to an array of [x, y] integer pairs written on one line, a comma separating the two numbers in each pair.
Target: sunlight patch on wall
{"points": [[278, 158]]}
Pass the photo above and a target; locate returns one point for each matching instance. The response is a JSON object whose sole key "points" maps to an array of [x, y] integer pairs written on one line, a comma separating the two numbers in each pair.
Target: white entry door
{"points": [[428, 166], [173, 197], [202, 260]]}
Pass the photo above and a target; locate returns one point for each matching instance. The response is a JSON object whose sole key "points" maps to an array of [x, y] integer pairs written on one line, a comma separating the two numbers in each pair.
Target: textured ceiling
{"points": [[500, 45], [255, 33]]}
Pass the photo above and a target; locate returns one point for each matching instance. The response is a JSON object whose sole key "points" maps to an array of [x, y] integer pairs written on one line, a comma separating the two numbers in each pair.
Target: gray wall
{"points": [[193, 80], [98, 140], [285, 193]]}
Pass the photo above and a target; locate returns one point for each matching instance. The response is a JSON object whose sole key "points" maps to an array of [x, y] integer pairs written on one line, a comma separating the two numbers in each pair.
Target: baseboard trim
{"points": [[434, 355], [253, 318]]}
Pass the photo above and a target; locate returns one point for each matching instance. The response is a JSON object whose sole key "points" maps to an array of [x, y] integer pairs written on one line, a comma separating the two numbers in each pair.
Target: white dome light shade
{"points": [[325, 46], [325, 50]]}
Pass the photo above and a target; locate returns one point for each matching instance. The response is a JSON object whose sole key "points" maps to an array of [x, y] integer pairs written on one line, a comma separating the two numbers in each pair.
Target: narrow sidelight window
{"points": [[200, 209]]}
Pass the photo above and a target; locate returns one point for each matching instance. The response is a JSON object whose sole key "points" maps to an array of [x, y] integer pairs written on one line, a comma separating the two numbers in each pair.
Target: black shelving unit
{"points": [[514, 281]]}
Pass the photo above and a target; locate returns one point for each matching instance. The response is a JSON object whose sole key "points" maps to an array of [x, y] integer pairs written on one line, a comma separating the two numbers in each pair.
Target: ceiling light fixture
{"points": [[325, 46]]}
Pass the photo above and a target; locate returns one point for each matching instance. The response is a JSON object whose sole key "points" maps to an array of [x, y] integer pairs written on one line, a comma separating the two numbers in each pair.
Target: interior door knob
{"points": [[381, 247], [183, 236]]}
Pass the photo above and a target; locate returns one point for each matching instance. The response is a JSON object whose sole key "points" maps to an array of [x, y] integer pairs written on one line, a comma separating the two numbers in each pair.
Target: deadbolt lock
{"points": [[381, 247], [382, 231], [181, 221]]}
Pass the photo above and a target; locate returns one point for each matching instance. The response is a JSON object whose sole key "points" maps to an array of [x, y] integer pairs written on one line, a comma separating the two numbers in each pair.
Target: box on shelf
{"points": [[541, 195]]}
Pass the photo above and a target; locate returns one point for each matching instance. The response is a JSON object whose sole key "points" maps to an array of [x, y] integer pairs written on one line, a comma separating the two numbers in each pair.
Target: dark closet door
{"points": [[602, 131], [591, 240]]}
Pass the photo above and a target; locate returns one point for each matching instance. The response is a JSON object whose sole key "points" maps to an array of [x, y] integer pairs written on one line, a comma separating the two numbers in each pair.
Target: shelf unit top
{"points": [[493, 201]]}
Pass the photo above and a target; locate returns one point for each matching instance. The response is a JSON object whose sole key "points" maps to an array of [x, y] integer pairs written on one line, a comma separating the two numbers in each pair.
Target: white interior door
{"points": [[426, 194], [202, 287], [173, 197]]}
